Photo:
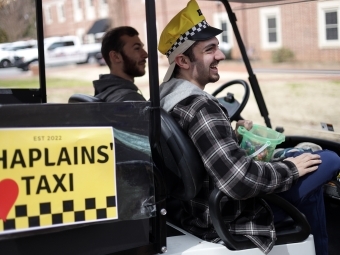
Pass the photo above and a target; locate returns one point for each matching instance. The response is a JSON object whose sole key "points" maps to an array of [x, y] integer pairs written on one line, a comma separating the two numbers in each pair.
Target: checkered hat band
{"points": [[192, 31]]}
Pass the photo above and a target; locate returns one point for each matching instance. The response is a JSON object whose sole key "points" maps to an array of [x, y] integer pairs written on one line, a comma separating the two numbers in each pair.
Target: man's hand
{"points": [[306, 163], [247, 124]]}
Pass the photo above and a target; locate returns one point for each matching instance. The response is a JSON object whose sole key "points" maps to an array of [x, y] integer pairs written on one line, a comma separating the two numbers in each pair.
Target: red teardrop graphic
{"points": [[9, 191]]}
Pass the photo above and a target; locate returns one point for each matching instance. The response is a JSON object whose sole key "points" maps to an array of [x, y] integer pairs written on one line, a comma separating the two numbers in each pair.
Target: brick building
{"points": [[78, 17], [314, 25], [265, 28]]}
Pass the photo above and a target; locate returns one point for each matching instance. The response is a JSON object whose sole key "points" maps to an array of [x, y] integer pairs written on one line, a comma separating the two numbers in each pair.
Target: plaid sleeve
{"points": [[237, 175]]}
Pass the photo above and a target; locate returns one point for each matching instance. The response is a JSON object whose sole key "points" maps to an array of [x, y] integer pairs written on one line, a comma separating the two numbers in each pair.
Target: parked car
{"points": [[60, 51], [8, 51], [100, 60], [4, 45], [91, 50], [5, 57]]}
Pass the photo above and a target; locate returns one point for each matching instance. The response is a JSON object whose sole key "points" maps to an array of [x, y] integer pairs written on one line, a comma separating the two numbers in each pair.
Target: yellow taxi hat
{"points": [[188, 26]]}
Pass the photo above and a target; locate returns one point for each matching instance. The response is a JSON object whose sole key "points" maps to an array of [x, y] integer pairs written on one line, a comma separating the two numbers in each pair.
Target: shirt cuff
{"points": [[294, 169]]}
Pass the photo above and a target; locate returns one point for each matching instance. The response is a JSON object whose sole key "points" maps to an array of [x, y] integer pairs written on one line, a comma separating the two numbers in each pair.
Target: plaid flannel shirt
{"points": [[239, 177]]}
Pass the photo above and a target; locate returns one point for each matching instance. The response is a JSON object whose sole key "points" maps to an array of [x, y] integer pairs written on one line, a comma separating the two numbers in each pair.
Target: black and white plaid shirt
{"points": [[241, 178]]}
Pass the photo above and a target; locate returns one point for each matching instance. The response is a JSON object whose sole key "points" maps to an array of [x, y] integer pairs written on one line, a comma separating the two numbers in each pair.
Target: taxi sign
{"points": [[54, 176]]}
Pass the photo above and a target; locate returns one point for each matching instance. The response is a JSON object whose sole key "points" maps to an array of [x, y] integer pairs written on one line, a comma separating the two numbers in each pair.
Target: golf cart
{"points": [[60, 163]]}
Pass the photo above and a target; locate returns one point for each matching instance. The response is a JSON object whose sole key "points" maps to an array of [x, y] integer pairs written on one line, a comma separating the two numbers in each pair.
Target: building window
{"points": [[61, 12], [332, 30], [221, 21], [270, 27], [328, 23], [331, 25], [224, 27], [48, 14], [103, 9], [272, 30], [77, 10], [90, 11]]}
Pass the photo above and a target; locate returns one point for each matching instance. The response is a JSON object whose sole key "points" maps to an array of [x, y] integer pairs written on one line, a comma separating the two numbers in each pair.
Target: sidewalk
{"points": [[239, 66], [91, 72]]}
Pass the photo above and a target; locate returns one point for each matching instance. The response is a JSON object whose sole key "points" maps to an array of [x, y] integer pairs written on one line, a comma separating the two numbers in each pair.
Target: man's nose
{"points": [[219, 55], [145, 54]]}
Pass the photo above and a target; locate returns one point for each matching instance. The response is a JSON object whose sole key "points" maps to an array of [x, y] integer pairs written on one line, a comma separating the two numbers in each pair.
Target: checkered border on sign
{"points": [[57, 218], [192, 31]]}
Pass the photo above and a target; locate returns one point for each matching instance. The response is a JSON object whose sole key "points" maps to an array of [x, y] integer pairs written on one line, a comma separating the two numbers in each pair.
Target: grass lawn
{"points": [[297, 104], [58, 90], [33, 82]]}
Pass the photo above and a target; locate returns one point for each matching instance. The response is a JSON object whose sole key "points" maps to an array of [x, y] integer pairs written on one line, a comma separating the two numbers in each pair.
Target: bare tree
{"points": [[17, 18]]}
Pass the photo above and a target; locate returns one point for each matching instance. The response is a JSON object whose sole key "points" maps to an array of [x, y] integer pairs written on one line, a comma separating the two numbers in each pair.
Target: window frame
{"points": [[77, 11], [90, 10], [103, 9], [61, 12], [266, 13], [323, 8], [218, 18], [48, 14]]}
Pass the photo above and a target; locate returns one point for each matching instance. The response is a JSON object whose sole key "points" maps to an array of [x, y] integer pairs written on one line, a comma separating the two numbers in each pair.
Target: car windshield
{"points": [[293, 47]]}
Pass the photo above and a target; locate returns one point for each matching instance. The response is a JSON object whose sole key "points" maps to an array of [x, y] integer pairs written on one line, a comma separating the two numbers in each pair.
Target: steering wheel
{"points": [[229, 102]]}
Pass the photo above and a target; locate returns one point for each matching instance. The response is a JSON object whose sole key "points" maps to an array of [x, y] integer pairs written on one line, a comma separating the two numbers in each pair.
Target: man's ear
{"points": [[115, 56], [182, 61]]}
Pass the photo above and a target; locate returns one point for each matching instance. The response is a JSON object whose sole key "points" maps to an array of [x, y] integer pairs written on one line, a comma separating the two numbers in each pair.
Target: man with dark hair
{"points": [[125, 56], [193, 53]]}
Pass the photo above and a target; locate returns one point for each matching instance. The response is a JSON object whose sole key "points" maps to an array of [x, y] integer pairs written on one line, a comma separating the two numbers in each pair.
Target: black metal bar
{"points": [[150, 12], [158, 223], [159, 228], [252, 78], [41, 53]]}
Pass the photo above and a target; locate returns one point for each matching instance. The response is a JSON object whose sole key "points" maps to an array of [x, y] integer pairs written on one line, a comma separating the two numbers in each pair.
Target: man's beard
{"points": [[131, 67], [204, 76]]}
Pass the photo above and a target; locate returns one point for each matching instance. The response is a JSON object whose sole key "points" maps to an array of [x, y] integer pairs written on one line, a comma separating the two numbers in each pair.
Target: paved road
{"points": [[11, 72], [298, 71], [92, 71]]}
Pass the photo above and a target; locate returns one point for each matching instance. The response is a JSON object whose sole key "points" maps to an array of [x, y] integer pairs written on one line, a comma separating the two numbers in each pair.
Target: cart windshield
{"points": [[293, 48]]}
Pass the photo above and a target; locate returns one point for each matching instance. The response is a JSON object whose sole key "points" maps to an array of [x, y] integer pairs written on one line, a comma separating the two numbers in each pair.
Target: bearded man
{"points": [[125, 56]]}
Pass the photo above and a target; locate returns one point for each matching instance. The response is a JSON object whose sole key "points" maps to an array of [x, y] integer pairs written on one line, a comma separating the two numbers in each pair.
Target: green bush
{"points": [[282, 55], [3, 36]]}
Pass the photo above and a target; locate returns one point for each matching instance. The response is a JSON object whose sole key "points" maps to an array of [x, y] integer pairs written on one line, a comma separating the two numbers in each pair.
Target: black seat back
{"points": [[78, 98], [184, 169], [185, 172]]}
